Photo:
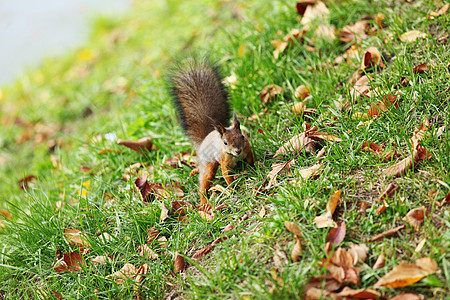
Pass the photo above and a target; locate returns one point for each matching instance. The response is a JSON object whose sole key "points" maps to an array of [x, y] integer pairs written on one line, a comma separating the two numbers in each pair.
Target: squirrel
{"points": [[202, 102]]}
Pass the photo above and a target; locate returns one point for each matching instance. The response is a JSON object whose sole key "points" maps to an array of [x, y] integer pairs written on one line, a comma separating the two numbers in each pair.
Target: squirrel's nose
{"points": [[238, 151]]}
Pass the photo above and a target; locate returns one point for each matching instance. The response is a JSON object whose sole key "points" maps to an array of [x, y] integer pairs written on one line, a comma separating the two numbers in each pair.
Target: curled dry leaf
{"points": [[145, 251], [23, 183], [296, 251], [326, 219], [411, 36], [149, 191], [76, 237], [383, 105], [422, 68], [71, 262], [361, 88], [262, 212], [302, 5], [141, 146], [358, 252], [312, 12], [400, 168], [415, 217], [325, 32], [322, 136], [302, 92], [276, 168], [128, 271], [406, 296], [179, 262], [270, 92], [180, 207], [152, 234], [386, 233], [379, 263], [207, 216], [406, 274], [311, 172], [442, 11], [336, 235], [349, 293], [292, 227], [379, 18], [372, 58], [101, 260], [296, 144], [164, 213], [5, 213], [202, 252], [299, 107], [351, 32]]}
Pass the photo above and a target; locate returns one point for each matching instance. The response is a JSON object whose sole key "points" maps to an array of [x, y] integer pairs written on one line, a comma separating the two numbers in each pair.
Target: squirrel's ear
{"points": [[236, 124], [219, 127]]}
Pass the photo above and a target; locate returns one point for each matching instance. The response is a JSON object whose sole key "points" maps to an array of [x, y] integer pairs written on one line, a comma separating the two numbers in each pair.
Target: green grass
{"points": [[114, 87]]}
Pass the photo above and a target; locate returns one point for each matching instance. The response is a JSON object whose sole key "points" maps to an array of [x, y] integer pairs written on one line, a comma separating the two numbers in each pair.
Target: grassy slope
{"points": [[118, 78]]}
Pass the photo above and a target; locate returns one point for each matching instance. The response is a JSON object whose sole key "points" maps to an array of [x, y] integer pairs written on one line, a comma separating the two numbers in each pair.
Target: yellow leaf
{"points": [[241, 50]]}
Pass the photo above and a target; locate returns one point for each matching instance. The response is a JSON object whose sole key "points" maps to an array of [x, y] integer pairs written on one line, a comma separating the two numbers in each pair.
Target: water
{"points": [[31, 30]]}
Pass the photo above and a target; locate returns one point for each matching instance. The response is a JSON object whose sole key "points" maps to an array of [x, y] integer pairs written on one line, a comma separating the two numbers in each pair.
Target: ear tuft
{"points": [[220, 128], [236, 124]]}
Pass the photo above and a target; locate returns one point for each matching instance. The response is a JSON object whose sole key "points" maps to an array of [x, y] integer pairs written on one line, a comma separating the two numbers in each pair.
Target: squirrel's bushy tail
{"points": [[199, 96]]}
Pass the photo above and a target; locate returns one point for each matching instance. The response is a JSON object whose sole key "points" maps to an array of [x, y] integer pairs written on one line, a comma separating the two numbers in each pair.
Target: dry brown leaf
{"points": [[316, 294], [76, 237], [71, 262], [361, 88], [180, 207], [420, 245], [358, 252], [128, 271], [101, 260], [276, 168], [207, 216], [296, 251], [152, 234], [415, 217], [292, 227], [297, 144], [299, 107], [326, 219], [442, 11], [302, 5], [406, 296], [322, 136], [406, 274], [351, 32], [141, 146], [312, 12], [422, 68], [262, 212], [164, 213], [327, 282], [379, 18], [383, 105], [202, 252], [302, 92], [336, 235], [23, 183], [349, 293], [342, 258], [179, 263], [5, 213], [387, 233], [388, 192], [311, 172], [411, 36], [145, 251], [325, 32], [372, 58], [270, 92], [380, 262], [400, 168]]}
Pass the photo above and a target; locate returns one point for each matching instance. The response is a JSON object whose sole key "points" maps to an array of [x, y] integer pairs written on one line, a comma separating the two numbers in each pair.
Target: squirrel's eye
{"points": [[225, 142], [242, 137]]}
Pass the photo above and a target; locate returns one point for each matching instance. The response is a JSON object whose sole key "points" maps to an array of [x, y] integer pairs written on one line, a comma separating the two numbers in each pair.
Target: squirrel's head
{"points": [[232, 138]]}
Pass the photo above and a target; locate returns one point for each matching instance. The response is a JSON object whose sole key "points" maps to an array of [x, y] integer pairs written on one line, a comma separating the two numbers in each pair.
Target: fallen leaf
{"points": [[296, 251], [422, 68], [380, 262], [387, 233], [180, 207], [302, 5], [411, 36], [127, 272], [336, 235], [262, 212], [202, 252], [382, 106], [406, 274], [299, 107], [415, 217], [302, 92], [270, 92], [101, 260], [76, 237], [5, 213], [145, 251], [419, 153], [379, 18], [326, 219], [351, 32], [71, 262], [312, 12], [358, 252], [325, 282], [442, 11], [322, 136], [23, 183], [311, 172], [152, 234], [292, 227], [372, 58], [406, 296], [296, 144], [325, 32], [361, 88], [179, 263], [164, 213], [349, 293], [207, 216], [420, 245], [276, 168], [141, 146]]}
